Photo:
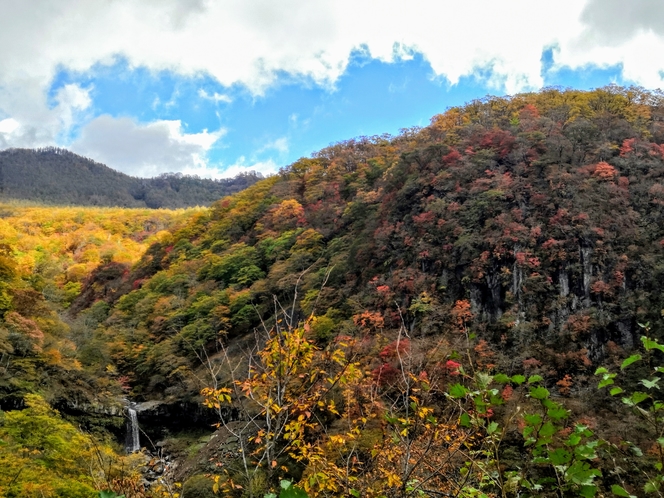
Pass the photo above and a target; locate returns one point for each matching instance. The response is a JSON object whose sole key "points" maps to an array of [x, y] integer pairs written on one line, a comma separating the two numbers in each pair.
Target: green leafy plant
{"points": [[109, 494], [644, 400], [288, 490]]}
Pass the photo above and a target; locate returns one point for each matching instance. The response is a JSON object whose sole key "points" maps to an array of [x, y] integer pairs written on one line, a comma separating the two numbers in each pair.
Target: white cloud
{"points": [[71, 100], [251, 43], [265, 168], [279, 144], [74, 97], [612, 22], [151, 149], [147, 149], [215, 97], [8, 125], [614, 32], [236, 41]]}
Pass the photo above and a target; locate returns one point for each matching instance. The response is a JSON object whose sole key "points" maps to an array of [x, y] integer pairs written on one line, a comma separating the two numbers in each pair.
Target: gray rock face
{"points": [[153, 406], [157, 419], [114, 408]]}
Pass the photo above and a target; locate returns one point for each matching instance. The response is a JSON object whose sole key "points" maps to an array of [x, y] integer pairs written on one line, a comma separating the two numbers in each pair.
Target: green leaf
{"points": [[480, 404], [458, 391], [637, 398], [539, 392], [601, 370], [533, 420], [606, 381], [285, 484], [496, 400], [528, 441], [583, 430], [573, 440], [501, 378], [557, 413], [534, 379], [492, 427], [582, 474], [635, 450], [464, 420], [483, 380], [615, 391], [560, 456], [628, 361], [547, 430], [391, 420], [518, 379], [355, 493], [651, 487], [620, 491], [587, 491], [650, 344], [649, 384], [291, 491], [586, 451]]}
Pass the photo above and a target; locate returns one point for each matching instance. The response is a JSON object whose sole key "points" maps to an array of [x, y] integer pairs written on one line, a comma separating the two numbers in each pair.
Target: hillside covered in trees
{"points": [[59, 177], [468, 309]]}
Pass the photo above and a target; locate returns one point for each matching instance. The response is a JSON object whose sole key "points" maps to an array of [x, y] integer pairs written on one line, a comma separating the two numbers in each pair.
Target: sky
{"points": [[218, 87]]}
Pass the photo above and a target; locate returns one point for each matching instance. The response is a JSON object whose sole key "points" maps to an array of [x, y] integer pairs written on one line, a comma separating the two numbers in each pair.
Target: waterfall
{"points": [[586, 253], [133, 440]]}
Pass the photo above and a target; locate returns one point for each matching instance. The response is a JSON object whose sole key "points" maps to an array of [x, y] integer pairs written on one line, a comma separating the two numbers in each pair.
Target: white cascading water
{"points": [[133, 441]]}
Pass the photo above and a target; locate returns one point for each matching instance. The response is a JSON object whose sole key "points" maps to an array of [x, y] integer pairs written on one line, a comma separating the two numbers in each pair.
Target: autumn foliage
{"points": [[366, 299]]}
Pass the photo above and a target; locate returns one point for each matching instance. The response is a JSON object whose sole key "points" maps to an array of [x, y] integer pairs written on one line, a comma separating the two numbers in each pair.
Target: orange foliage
{"points": [[600, 287], [395, 349], [529, 111], [369, 320], [484, 355], [26, 328], [579, 325], [77, 239], [605, 171], [531, 363], [288, 214], [461, 313], [627, 146], [565, 385]]}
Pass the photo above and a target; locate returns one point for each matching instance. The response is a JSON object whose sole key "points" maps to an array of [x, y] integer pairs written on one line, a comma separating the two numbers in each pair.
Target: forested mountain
{"points": [[57, 176], [468, 309]]}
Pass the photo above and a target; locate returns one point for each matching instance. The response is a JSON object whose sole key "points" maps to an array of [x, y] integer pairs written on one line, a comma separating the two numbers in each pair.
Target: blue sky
{"points": [[295, 117], [215, 89]]}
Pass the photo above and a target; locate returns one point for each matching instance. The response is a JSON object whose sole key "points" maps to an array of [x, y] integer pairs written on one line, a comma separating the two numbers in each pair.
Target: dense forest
{"points": [[468, 309], [59, 177]]}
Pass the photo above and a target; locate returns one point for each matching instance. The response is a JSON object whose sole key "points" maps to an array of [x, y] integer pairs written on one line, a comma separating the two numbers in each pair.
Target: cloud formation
{"points": [[614, 32], [612, 22], [147, 150], [236, 42]]}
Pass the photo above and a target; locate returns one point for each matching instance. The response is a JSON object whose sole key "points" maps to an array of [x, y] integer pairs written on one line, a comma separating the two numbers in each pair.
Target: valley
{"points": [[472, 308]]}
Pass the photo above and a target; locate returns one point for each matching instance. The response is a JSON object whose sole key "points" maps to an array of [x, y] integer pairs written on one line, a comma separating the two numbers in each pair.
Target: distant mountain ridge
{"points": [[57, 176]]}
